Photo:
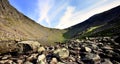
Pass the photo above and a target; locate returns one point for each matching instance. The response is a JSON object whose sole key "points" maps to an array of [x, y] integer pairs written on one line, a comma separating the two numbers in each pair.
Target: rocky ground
{"points": [[97, 50]]}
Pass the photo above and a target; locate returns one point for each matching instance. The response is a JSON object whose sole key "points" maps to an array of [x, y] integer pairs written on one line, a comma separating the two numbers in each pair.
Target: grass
{"points": [[92, 28]]}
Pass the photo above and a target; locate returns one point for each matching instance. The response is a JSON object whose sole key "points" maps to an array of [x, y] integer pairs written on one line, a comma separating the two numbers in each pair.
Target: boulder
{"points": [[33, 44], [6, 57], [107, 61], [94, 46], [77, 40], [41, 59], [61, 63], [107, 48], [95, 58], [63, 52], [41, 49], [71, 58], [87, 49], [54, 61], [7, 46], [23, 48]]}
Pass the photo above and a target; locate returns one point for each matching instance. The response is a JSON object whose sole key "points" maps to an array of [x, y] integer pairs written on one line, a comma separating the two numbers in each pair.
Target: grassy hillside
{"points": [[16, 26], [104, 24]]}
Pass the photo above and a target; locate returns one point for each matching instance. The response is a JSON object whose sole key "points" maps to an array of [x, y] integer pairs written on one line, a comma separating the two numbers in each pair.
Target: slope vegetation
{"points": [[16, 26], [103, 24]]}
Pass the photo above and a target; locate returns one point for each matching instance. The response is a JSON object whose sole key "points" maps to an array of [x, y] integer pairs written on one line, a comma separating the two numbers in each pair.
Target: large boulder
{"points": [[33, 44], [23, 48], [7, 46], [62, 52]]}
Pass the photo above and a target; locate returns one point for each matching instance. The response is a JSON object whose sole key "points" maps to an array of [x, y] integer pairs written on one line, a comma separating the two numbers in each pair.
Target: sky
{"points": [[62, 14]]}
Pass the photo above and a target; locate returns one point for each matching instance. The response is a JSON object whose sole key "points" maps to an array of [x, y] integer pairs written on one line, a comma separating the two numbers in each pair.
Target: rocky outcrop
{"points": [[18, 47]]}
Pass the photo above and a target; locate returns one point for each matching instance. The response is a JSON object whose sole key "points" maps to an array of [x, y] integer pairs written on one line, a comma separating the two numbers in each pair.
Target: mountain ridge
{"points": [[16, 26], [100, 19]]}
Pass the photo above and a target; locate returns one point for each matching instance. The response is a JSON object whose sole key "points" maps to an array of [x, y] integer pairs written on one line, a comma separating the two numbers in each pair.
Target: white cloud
{"points": [[66, 19], [44, 7], [71, 17], [59, 9]]}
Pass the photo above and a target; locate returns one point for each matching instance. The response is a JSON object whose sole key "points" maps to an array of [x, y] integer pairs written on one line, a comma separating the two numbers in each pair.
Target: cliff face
{"points": [[16, 26]]}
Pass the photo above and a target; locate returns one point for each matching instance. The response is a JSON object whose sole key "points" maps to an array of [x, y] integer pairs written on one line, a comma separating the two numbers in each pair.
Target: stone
{"points": [[72, 59], [95, 58], [107, 48], [19, 61], [94, 46], [54, 61], [41, 58], [63, 52], [23, 48], [41, 49], [100, 45], [34, 44], [87, 49], [77, 40], [107, 61], [60, 63], [5, 57], [7, 46], [28, 62], [34, 55]]}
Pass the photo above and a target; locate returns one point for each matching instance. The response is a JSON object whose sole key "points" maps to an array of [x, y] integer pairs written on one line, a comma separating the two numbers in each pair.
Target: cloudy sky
{"points": [[62, 13]]}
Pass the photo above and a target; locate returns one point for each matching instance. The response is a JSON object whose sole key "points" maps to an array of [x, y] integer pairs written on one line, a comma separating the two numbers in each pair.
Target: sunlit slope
{"points": [[16, 26]]}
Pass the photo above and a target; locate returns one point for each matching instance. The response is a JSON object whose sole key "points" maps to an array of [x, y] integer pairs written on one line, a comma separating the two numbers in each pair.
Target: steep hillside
{"points": [[16, 26], [103, 24]]}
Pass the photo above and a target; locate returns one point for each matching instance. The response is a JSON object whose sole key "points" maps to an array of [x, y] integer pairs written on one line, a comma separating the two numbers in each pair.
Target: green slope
{"points": [[16, 26], [104, 24]]}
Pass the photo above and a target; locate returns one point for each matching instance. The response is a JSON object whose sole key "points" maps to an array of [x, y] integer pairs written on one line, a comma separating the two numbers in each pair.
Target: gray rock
{"points": [[93, 57], [34, 44], [107, 62], [94, 46], [63, 52], [107, 48], [87, 49]]}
